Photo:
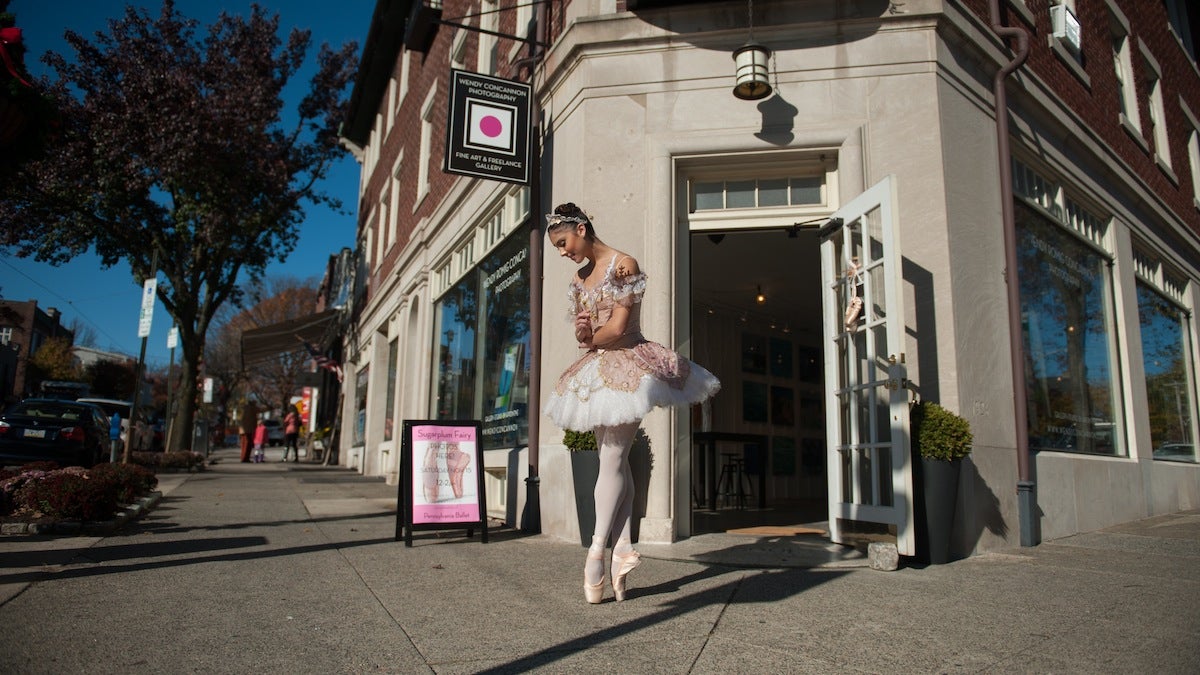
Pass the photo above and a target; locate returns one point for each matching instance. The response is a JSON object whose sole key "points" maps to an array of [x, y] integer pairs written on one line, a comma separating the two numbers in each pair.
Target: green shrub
{"points": [[938, 433], [579, 441], [70, 495]]}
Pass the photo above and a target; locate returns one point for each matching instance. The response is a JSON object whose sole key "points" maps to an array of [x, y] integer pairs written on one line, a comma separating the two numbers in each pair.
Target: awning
{"points": [[286, 337]]}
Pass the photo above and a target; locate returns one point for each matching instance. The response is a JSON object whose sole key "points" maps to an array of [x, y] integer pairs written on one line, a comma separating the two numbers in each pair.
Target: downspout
{"points": [[532, 522], [1026, 497]]}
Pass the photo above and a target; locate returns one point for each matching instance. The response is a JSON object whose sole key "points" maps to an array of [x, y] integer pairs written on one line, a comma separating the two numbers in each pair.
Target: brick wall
{"points": [[405, 135], [1096, 102]]}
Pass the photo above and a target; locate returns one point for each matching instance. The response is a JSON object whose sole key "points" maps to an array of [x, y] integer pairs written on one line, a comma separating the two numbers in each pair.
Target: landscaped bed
{"points": [[41, 497]]}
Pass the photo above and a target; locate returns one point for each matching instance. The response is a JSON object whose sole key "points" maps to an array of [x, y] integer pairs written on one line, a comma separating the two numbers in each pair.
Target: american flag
{"points": [[321, 360]]}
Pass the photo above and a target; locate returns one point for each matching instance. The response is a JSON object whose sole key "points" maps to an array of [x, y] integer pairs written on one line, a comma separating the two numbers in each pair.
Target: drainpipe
{"points": [[1026, 497], [532, 522]]}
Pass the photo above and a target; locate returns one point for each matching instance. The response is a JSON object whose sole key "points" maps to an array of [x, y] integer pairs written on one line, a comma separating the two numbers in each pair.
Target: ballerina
{"points": [[621, 377]]}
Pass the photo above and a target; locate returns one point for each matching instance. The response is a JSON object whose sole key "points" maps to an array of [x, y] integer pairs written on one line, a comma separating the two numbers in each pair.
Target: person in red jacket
{"points": [[291, 435], [260, 440]]}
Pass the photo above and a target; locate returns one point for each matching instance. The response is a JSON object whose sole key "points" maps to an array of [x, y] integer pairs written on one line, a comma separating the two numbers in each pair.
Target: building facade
{"points": [[24, 327], [832, 251]]}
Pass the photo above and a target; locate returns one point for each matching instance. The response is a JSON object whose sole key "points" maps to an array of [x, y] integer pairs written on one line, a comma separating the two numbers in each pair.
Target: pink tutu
{"points": [[607, 387]]}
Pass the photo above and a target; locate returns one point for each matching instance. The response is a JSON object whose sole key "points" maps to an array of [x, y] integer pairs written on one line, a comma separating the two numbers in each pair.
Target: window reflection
{"points": [[483, 370], [1165, 346], [457, 318], [1066, 317]]}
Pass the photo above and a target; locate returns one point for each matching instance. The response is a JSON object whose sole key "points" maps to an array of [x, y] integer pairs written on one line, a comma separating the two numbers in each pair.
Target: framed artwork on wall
{"points": [[754, 354], [783, 456], [783, 406], [809, 364], [781, 358], [754, 402]]}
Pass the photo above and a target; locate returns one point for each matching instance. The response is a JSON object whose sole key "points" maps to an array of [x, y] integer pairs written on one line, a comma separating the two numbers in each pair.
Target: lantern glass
{"points": [[751, 71]]}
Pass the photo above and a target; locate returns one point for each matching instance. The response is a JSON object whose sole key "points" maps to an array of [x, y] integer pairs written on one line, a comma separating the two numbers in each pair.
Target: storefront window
{"points": [[458, 315], [1165, 349], [1066, 310], [360, 404], [505, 277], [499, 329]]}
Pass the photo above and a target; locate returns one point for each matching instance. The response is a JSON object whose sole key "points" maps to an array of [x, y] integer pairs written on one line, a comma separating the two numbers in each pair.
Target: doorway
{"points": [[759, 447]]}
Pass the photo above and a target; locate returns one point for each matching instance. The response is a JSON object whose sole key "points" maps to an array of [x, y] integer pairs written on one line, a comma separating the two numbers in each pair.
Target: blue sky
{"points": [[108, 300]]}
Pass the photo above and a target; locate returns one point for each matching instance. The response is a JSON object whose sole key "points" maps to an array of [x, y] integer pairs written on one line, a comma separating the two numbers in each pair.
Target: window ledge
{"points": [[1187, 57], [420, 197], [1166, 169], [1023, 11], [1134, 132], [1068, 58]]}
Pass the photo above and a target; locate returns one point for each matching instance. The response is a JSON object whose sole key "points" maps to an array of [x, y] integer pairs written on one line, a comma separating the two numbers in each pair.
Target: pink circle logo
{"points": [[490, 126]]}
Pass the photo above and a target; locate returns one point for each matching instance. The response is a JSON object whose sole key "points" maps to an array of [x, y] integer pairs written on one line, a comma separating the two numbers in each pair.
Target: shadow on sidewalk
{"points": [[96, 555], [782, 584]]}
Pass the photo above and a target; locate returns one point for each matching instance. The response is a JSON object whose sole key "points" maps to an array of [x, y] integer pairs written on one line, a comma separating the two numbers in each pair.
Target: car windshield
{"points": [[49, 409]]}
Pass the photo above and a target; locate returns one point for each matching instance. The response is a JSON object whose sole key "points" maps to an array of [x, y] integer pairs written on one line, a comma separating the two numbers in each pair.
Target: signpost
{"points": [[149, 286]]}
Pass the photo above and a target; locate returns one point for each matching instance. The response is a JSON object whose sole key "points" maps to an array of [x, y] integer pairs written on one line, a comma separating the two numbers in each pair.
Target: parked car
{"points": [[143, 438], [1179, 452], [275, 433], [42, 429]]}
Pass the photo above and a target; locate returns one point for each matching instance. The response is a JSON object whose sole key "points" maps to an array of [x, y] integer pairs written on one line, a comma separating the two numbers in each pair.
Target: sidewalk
{"points": [[293, 568]]}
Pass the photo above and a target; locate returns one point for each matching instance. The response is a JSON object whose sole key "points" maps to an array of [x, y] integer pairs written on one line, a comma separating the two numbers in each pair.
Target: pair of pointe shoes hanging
{"points": [[434, 477]]}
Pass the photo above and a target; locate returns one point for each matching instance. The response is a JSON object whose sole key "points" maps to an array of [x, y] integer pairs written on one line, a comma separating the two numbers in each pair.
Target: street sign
{"points": [[488, 131], [147, 313], [173, 337]]}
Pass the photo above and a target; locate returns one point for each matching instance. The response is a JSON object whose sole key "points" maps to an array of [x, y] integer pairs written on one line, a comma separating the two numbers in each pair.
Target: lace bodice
{"points": [[612, 291]]}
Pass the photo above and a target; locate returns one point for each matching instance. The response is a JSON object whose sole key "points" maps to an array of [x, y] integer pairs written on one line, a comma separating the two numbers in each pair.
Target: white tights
{"points": [[614, 496]]}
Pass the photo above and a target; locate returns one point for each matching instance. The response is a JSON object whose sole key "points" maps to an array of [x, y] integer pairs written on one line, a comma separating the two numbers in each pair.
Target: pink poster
{"points": [[445, 483]]}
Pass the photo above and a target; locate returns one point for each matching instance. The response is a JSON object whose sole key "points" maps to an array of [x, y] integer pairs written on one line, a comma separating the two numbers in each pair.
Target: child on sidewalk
{"points": [[260, 441]]}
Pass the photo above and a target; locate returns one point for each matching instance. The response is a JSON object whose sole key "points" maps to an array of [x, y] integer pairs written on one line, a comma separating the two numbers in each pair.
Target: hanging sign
{"points": [[441, 480], [488, 131], [147, 313]]}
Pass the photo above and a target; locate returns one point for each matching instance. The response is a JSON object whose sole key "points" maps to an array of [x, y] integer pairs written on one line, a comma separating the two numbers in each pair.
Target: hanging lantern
{"points": [[750, 65]]}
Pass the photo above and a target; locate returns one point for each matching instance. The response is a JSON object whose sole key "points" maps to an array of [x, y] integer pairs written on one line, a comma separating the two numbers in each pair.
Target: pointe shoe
{"points": [[456, 465], [594, 593], [621, 566], [430, 473]]}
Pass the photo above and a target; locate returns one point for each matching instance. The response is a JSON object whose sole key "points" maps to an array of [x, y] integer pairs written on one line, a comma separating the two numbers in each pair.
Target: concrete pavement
{"points": [[293, 568]]}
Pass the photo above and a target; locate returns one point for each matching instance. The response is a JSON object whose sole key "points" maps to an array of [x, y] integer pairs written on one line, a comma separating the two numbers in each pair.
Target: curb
{"points": [[97, 528]]}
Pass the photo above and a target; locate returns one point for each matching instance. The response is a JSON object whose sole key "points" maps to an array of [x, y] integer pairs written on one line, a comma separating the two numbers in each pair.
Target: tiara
{"points": [[555, 219]]}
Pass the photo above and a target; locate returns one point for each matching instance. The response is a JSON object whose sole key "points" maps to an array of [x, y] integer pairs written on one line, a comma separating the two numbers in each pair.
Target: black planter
{"points": [[935, 509], [585, 468]]}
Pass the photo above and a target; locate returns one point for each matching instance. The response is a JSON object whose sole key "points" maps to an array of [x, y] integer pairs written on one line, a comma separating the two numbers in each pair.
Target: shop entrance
{"points": [[759, 447]]}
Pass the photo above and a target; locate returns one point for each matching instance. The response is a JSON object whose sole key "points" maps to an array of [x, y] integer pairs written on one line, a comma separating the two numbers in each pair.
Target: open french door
{"points": [[866, 406]]}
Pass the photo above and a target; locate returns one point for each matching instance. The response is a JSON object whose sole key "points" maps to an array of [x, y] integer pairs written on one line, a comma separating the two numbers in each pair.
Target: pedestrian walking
{"points": [[291, 435]]}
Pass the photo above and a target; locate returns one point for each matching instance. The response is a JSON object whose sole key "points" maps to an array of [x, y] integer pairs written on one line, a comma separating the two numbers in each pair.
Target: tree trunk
{"points": [[185, 414]]}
